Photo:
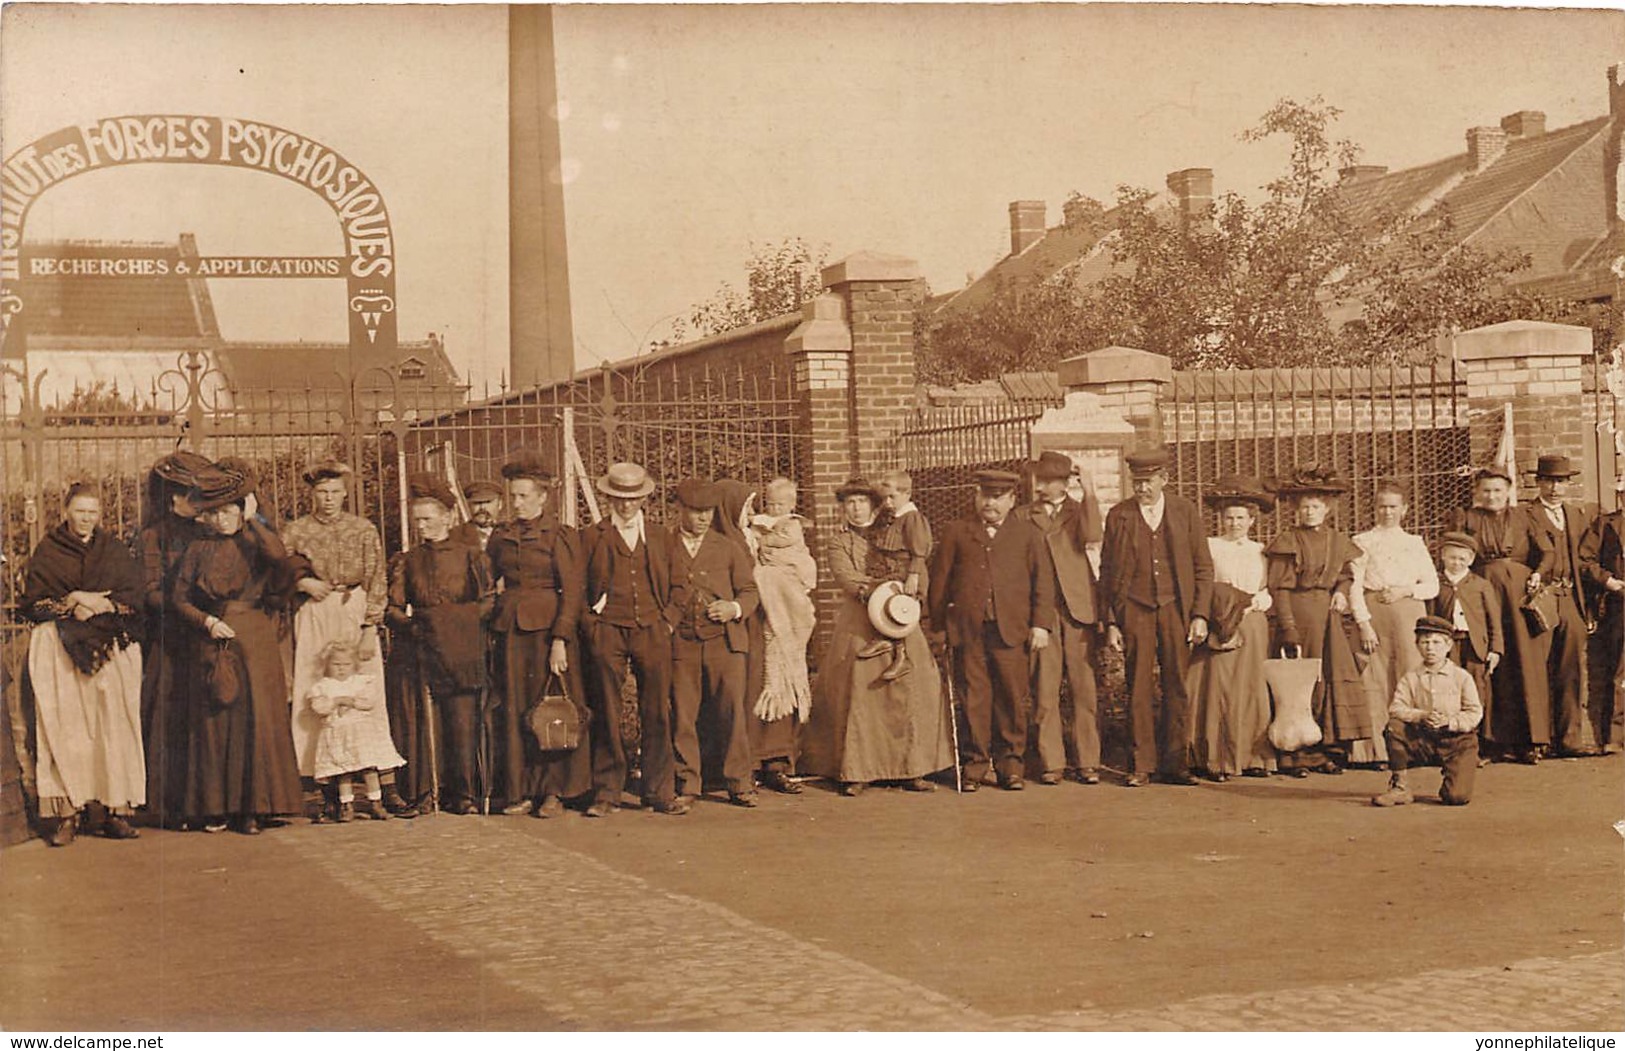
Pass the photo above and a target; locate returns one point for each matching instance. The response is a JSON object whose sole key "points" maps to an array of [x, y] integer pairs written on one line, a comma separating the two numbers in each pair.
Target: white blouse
{"points": [[1395, 558], [1241, 564]]}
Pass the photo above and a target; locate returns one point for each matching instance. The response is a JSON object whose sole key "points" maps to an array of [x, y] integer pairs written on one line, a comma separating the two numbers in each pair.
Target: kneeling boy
{"points": [[1433, 714]]}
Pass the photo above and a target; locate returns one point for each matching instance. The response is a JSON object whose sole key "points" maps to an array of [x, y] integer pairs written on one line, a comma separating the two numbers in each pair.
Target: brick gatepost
{"points": [[1535, 366]]}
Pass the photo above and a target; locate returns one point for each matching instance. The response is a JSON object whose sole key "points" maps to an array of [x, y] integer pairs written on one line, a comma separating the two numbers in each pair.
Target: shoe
{"points": [[875, 649], [552, 806], [1329, 769], [967, 785], [115, 827], [214, 825], [517, 809], [1013, 784], [599, 809], [853, 788], [396, 805], [1087, 776], [1050, 777], [1218, 779], [899, 667], [346, 813], [376, 810], [745, 799], [250, 826], [1255, 771], [61, 833], [1396, 795], [1185, 779], [674, 807], [1135, 781], [779, 781], [461, 807], [919, 784], [1529, 758]]}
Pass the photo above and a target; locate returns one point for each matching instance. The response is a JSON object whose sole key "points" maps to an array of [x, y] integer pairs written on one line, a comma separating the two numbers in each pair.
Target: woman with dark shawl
{"points": [[84, 667], [1311, 569], [170, 525], [241, 763]]}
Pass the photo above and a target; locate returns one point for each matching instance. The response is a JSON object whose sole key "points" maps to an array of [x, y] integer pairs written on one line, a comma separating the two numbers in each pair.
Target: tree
{"points": [[1299, 277], [778, 280]]}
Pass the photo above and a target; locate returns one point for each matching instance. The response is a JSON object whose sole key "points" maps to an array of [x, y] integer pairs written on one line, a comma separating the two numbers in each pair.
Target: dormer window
{"points": [[413, 369]]}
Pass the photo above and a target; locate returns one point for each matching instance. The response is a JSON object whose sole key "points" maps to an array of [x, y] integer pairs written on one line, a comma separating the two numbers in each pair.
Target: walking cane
{"points": [[427, 698], [482, 752], [953, 716]]}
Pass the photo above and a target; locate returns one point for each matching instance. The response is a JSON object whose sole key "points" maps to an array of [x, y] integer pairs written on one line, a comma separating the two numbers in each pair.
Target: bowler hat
{"points": [[431, 487], [893, 613], [627, 481], [527, 463], [1431, 625], [859, 487], [1556, 467], [1234, 489], [1052, 465], [481, 489], [697, 494], [1465, 541], [997, 482], [1147, 460], [329, 468]]}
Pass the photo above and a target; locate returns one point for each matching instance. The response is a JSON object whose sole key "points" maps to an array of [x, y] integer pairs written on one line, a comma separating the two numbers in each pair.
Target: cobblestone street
{"points": [[1271, 906]]}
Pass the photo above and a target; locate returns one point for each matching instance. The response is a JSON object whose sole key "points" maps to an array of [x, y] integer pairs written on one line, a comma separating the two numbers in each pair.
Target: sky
{"points": [[690, 133]]}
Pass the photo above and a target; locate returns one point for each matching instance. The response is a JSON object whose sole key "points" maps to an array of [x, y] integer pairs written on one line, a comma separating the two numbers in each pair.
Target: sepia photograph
{"points": [[1075, 518]]}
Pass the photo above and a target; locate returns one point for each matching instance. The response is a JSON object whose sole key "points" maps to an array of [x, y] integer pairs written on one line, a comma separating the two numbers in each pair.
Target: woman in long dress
{"points": [[1230, 699], [1394, 578], [83, 593], [863, 728], [1510, 556], [241, 763], [538, 562]]}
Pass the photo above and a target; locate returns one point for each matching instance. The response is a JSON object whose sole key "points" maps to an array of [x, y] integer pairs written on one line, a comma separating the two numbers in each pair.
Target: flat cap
{"points": [[1462, 540], [1431, 625], [1148, 460], [482, 489], [991, 481], [696, 494]]}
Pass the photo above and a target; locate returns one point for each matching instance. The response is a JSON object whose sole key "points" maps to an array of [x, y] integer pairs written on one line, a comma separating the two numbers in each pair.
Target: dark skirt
{"points": [[240, 758], [523, 770], [1518, 711], [166, 652]]}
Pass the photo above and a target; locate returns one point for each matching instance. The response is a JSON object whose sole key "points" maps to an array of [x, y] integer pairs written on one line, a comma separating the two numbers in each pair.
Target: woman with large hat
{"points": [[863, 728], [1518, 713], [1311, 570], [169, 525], [241, 763], [1230, 703], [538, 563]]}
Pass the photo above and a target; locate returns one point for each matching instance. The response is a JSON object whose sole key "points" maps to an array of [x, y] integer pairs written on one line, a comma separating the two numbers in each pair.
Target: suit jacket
{"points": [[1578, 518], [1066, 535], [1014, 564], [1121, 553], [1481, 607], [598, 542], [1602, 555], [542, 581], [721, 569]]}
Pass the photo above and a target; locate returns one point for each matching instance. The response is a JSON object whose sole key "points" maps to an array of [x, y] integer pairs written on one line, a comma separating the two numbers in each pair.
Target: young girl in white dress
{"points": [[354, 736]]}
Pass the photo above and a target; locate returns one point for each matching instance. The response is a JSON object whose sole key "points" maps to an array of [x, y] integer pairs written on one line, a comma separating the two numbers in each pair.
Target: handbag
{"points": [[224, 674], [1540, 610], [554, 720]]}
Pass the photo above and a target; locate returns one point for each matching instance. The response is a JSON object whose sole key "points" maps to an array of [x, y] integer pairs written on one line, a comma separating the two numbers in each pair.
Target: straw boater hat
{"points": [[1234, 489], [1553, 466], [626, 481], [431, 487], [320, 472], [893, 613], [528, 463], [1311, 480], [218, 485], [859, 487]]}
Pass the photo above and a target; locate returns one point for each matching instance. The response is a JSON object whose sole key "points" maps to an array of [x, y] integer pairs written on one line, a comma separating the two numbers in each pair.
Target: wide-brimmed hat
{"points": [[1234, 489], [431, 487], [325, 469], [1147, 460], [1052, 465], [217, 485], [481, 489], [860, 487], [180, 467], [891, 612], [527, 463], [626, 481], [697, 494], [1553, 466], [1311, 480]]}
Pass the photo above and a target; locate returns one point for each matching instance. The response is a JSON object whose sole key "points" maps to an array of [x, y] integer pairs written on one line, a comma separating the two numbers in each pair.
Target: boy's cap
{"points": [[1435, 626], [1462, 540]]}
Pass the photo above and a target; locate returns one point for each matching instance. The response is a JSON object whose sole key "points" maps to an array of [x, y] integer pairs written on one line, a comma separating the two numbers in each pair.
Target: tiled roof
{"points": [[113, 306], [251, 366]]}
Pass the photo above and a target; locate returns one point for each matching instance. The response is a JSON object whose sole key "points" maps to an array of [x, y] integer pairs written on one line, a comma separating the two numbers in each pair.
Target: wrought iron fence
{"points": [[942, 448]]}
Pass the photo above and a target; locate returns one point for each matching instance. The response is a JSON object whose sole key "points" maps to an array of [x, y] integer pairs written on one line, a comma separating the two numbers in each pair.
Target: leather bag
{"points": [[1540, 610], [224, 674], [554, 720]]}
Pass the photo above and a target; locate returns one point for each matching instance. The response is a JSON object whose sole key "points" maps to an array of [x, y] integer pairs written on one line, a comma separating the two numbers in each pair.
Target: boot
{"points": [[329, 808], [1398, 793], [878, 648], [346, 812], [114, 826], [900, 666], [57, 832], [395, 804], [376, 810]]}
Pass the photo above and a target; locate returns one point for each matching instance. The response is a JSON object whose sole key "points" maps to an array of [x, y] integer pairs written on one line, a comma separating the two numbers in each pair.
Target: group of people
{"points": [[224, 670]]}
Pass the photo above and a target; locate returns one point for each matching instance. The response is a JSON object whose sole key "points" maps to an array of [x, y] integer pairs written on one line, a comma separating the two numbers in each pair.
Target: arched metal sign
{"points": [[368, 264]]}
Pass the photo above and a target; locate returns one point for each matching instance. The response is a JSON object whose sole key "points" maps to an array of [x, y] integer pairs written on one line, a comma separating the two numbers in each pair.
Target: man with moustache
{"points": [[484, 508], [1563, 523]]}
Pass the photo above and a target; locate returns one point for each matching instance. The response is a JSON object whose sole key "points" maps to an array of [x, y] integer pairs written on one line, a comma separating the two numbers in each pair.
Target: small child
{"points": [[1469, 603], [1432, 716], [355, 733], [781, 536], [899, 545]]}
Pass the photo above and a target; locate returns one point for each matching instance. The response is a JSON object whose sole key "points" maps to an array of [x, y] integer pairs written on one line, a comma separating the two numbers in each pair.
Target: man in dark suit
{"points": [[1563, 523], [484, 506], [1070, 528], [993, 590], [1156, 576], [1602, 559], [628, 590], [1469, 604], [713, 590]]}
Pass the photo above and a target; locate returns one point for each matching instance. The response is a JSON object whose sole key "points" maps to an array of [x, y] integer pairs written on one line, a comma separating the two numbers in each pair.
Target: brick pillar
{"points": [[879, 293], [1535, 367], [1128, 382]]}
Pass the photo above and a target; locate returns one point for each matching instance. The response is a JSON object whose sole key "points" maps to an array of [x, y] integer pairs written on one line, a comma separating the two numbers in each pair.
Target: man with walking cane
{"points": [[993, 590], [439, 600]]}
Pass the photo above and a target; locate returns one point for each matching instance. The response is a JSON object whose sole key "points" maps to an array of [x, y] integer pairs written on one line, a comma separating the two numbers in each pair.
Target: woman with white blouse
{"points": [[1393, 580], [1230, 705]]}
